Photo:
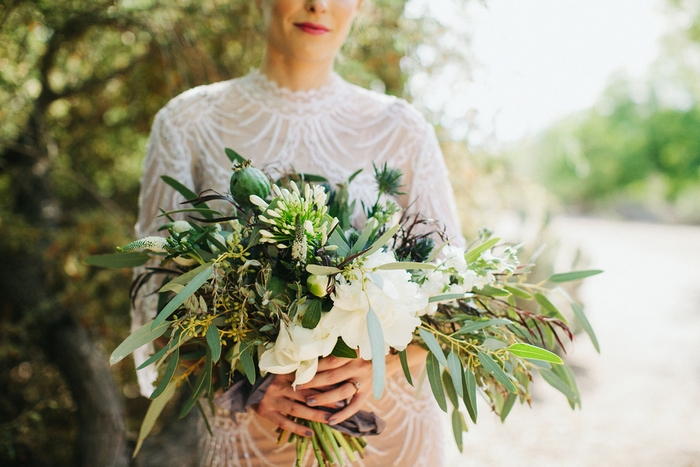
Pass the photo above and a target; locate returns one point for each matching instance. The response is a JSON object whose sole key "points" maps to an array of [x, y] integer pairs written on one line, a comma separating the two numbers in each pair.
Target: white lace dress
{"points": [[332, 131]]}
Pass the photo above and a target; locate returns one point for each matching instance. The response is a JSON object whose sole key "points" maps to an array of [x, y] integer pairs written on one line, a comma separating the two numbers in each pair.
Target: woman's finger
{"points": [[287, 424], [329, 398], [351, 409], [331, 362]]}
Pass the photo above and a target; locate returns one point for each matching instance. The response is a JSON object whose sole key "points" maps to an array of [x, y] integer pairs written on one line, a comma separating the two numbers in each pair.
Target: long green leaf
{"points": [[130, 259], [178, 299], [518, 292], [585, 324], [168, 375], [405, 367], [497, 372], [507, 405], [206, 212], [449, 387], [383, 240], [336, 238], [432, 367], [573, 275], [534, 353], [183, 279], [248, 364], [186, 192], [153, 412], [469, 382], [364, 237], [475, 252], [200, 386], [234, 157], [322, 270], [458, 428], [376, 339], [456, 370], [548, 307], [473, 326], [142, 336], [433, 345], [406, 265], [447, 297], [214, 342], [560, 385]]}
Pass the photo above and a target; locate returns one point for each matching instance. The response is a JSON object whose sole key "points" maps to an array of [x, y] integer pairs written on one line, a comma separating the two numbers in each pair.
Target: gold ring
{"points": [[357, 386]]}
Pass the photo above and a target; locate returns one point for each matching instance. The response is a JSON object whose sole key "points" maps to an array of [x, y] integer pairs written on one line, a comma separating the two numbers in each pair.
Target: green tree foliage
{"points": [[80, 82], [640, 145]]}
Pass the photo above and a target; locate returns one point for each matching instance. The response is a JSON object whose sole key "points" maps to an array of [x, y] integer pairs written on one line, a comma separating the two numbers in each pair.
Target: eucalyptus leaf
{"points": [[197, 390], [376, 339], [130, 259], [432, 367], [433, 345], [496, 371], [168, 375], [336, 238], [179, 299], [475, 252], [469, 382], [573, 275], [448, 297], [518, 292], [494, 291], [214, 342], [585, 324], [404, 366], [183, 279], [248, 365], [456, 370], [322, 270], [153, 412], [534, 353], [507, 406], [359, 245], [548, 307], [560, 385], [142, 336], [457, 428], [406, 265], [383, 240], [449, 387], [184, 191], [473, 326]]}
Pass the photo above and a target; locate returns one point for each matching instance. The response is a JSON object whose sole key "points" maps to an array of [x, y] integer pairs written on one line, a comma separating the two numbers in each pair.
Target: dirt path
{"points": [[641, 396]]}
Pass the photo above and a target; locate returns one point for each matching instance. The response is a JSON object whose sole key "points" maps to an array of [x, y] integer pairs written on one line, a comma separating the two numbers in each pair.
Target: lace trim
{"points": [[259, 89]]}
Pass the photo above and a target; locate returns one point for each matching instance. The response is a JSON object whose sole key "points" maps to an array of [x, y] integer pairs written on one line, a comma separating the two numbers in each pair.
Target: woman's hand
{"points": [[281, 401], [341, 379]]}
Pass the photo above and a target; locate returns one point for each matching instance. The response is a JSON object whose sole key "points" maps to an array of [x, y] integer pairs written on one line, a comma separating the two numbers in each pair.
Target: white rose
{"points": [[392, 295], [298, 349]]}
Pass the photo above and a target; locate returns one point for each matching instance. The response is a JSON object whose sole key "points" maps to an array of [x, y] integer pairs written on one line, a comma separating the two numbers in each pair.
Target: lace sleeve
{"points": [[166, 154], [431, 189]]}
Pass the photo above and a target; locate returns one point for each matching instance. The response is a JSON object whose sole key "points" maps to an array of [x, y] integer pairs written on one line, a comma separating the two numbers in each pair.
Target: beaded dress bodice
{"points": [[332, 131]]}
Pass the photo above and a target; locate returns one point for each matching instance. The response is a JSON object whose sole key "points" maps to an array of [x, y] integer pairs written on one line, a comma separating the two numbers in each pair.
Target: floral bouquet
{"points": [[280, 279]]}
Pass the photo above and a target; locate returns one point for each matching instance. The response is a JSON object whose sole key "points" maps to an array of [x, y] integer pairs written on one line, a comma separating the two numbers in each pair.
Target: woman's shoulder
{"points": [[192, 104], [392, 108]]}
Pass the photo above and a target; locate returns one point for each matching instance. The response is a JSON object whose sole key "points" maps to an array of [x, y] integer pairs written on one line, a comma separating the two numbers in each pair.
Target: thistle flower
{"points": [[388, 180]]}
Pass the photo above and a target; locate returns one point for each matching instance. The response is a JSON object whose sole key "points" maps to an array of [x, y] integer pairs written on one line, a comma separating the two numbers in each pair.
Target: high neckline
{"points": [[266, 92]]}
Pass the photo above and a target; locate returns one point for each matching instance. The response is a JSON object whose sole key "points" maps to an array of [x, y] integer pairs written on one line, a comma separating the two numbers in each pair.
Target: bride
{"points": [[295, 112]]}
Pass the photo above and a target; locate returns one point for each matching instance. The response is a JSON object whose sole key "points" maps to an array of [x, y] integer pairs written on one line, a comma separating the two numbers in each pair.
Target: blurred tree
{"points": [[80, 81], [639, 146]]}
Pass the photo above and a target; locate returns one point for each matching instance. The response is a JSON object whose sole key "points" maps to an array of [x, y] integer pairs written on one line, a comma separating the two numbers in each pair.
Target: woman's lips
{"points": [[312, 28]]}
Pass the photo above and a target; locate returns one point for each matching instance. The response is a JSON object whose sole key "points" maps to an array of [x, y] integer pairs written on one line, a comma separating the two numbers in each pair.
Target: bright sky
{"points": [[543, 59]]}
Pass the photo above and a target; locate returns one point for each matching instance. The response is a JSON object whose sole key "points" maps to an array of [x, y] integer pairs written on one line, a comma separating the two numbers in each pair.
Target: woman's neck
{"points": [[295, 75]]}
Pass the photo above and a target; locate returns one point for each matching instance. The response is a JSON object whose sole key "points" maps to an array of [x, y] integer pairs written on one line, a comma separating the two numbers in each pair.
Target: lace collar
{"points": [[259, 89]]}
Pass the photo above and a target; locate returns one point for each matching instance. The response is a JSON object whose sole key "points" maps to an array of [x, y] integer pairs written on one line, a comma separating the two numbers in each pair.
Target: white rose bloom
{"points": [[436, 282], [298, 349], [392, 295]]}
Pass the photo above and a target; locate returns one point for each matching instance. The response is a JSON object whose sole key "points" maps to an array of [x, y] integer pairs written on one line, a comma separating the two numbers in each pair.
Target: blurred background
{"points": [[572, 124]]}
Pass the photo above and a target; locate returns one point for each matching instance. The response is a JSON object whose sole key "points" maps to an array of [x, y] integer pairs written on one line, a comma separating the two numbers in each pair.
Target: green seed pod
{"points": [[317, 285], [246, 180]]}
